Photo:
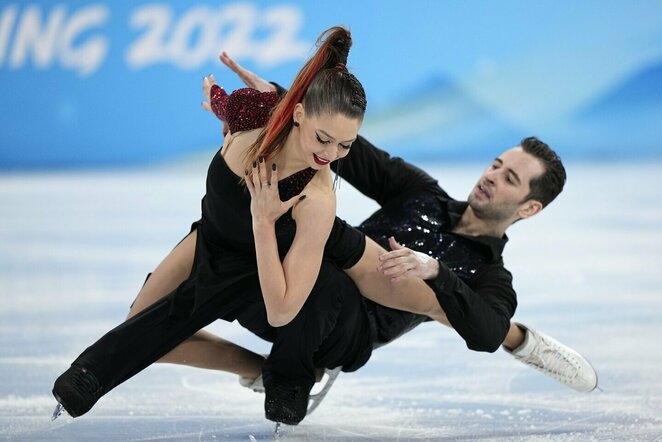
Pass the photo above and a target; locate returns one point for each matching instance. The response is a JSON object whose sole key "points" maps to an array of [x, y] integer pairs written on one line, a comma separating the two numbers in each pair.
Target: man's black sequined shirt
{"points": [[473, 287]]}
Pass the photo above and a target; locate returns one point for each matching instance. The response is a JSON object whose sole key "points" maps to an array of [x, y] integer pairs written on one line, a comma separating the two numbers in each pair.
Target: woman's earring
{"points": [[296, 124], [336, 180]]}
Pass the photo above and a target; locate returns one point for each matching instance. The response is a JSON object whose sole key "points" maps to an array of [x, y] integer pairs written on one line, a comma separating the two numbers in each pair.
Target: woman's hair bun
{"points": [[342, 45], [340, 39]]}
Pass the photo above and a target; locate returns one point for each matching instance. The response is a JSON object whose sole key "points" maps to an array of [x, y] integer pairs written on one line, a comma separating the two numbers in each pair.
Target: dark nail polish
{"points": [[273, 166], [261, 159], [302, 197], [254, 164], [246, 172]]}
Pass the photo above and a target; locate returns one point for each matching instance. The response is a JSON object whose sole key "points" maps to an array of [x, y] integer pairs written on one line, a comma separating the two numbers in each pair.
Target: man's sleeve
{"points": [[377, 175], [280, 90], [481, 315]]}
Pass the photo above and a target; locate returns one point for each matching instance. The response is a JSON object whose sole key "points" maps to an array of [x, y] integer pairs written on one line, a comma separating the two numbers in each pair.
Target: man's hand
{"points": [[402, 263], [249, 78]]}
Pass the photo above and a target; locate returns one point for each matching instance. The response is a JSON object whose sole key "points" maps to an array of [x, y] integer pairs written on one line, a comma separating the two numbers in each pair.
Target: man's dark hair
{"points": [[549, 184]]}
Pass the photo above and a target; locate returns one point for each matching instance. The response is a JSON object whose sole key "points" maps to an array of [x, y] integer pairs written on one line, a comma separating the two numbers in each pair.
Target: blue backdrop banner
{"points": [[87, 83]]}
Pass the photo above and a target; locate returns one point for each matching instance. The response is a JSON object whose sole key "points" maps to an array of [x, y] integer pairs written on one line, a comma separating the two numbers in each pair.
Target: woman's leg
{"points": [[331, 330], [203, 349], [144, 338], [168, 275]]}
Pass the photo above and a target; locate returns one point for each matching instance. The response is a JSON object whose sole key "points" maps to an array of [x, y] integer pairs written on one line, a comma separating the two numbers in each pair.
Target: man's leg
{"points": [[514, 338]]}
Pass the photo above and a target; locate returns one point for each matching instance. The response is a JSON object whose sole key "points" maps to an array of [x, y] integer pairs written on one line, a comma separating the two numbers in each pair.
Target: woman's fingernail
{"points": [[254, 164], [273, 166], [302, 197], [261, 159]]}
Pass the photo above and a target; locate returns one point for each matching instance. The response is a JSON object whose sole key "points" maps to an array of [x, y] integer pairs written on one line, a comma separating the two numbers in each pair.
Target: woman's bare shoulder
{"points": [[241, 140], [235, 147], [322, 182]]}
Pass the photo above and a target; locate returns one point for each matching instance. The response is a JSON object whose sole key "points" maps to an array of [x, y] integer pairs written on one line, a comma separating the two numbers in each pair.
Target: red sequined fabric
{"points": [[218, 98], [243, 109]]}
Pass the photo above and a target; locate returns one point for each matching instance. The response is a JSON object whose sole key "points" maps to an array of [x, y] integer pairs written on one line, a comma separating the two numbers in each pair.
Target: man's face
{"points": [[500, 192]]}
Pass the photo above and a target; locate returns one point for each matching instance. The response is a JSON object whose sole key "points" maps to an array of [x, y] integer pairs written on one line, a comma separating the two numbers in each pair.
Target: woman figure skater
{"points": [[237, 245]]}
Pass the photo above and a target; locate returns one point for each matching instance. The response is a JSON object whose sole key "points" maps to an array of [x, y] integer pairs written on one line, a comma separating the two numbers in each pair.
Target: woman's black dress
{"points": [[224, 284]]}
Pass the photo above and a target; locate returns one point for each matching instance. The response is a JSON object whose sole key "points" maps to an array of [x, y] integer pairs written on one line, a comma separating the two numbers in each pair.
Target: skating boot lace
{"points": [[553, 361]]}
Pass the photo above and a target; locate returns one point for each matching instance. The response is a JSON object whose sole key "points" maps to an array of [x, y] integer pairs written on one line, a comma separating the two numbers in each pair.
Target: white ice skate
{"points": [[254, 384], [315, 398], [556, 360]]}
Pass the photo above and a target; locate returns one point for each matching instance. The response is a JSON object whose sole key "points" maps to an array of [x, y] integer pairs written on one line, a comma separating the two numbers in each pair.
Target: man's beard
{"points": [[490, 211]]}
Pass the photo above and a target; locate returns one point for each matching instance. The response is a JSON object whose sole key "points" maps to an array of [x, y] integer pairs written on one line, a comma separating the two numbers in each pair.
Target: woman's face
{"points": [[325, 138]]}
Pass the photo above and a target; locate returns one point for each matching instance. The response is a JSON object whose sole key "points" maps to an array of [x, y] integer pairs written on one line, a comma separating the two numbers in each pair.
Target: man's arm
{"points": [[378, 175], [479, 310], [480, 314]]}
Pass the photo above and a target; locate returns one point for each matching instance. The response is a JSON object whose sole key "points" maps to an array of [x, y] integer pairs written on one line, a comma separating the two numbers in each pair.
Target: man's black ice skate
{"points": [[77, 390], [285, 401]]}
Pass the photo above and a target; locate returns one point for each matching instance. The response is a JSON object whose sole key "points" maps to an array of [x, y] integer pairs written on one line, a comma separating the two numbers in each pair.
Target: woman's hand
{"points": [[402, 263], [207, 83], [266, 206], [249, 78]]}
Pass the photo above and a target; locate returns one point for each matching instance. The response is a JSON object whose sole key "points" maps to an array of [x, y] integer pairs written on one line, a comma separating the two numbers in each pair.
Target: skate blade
{"points": [[316, 399], [59, 408]]}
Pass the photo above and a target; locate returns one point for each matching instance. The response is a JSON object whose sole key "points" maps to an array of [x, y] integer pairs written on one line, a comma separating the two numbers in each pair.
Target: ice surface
{"points": [[75, 248]]}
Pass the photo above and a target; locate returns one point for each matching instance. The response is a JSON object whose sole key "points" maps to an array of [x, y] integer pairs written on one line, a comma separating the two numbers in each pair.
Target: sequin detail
{"points": [[422, 224], [295, 183], [243, 109], [289, 187]]}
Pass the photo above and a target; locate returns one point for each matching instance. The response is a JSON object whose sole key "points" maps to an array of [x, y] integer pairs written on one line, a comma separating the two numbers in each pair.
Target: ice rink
{"points": [[76, 246]]}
